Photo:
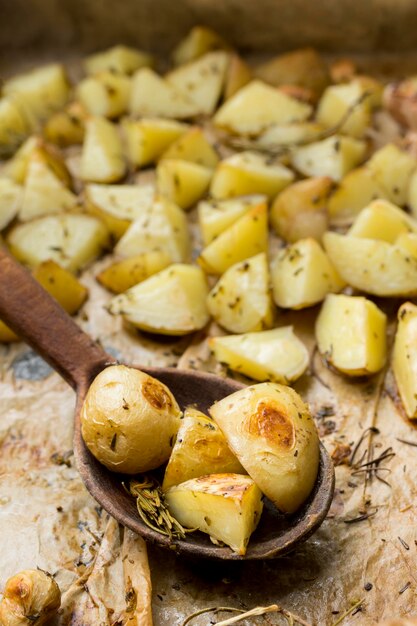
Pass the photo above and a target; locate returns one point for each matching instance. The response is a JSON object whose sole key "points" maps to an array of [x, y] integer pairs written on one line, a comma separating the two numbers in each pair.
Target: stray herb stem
{"points": [[349, 611]]}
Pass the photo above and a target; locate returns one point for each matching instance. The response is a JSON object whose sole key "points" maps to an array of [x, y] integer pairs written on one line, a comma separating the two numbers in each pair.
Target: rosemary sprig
{"points": [[152, 508], [291, 618]]}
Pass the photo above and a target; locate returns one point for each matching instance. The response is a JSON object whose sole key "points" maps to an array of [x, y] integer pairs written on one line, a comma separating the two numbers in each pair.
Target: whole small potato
{"points": [[29, 597], [129, 420]]}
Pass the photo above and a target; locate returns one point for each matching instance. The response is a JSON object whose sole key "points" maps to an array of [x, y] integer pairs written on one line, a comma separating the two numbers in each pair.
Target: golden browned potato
{"points": [[6, 334], [102, 159], [273, 435], [355, 191], [67, 127], [61, 285], [238, 75], [29, 597], [241, 301], [215, 216], [118, 59], [304, 67], [147, 138], [404, 362], [277, 355], [333, 157], [172, 302], [123, 275], [300, 210], [197, 42], [227, 507], [129, 420], [182, 182], [200, 448], [192, 146]]}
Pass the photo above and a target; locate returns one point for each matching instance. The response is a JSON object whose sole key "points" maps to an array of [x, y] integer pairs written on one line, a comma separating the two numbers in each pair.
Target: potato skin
{"points": [[129, 420], [272, 433], [31, 596]]}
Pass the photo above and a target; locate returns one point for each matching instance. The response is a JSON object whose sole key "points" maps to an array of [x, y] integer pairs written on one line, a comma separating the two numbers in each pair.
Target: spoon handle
{"points": [[40, 321]]}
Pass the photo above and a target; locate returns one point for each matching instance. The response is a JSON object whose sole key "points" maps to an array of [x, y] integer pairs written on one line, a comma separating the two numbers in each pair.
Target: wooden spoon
{"points": [[43, 324]]}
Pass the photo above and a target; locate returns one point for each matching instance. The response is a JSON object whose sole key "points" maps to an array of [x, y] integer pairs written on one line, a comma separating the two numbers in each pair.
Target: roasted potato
{"points": [[303, 67], [161, 227], [351, 334], [382, 220], [172, 302], [67, 127], [192, 146], [349, 102], [123, 275], [215, 216], [129, 420], [302, 275], [227, 507], [246, 237], [200, 449], [14, 127], [72, 240], [272, 433], [31, 596], [199, 41], [182, 182], [333, 157], [146, 139], [392, 169], [102, 159], [35, 148], [276, 355], [118, 205], [106, 94], [238, 75], [355, 191], [249, 173], [300, 210], [61, 285], [289, 134], [10, 201], [241, 301], [118, 59], [404, 362], [153, 96], [256, 107]]}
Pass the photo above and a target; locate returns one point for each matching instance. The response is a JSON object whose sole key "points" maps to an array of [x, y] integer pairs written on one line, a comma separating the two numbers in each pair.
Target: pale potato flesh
{"points": [[16, 167], [192, 146], [118, 205], [351, 335], [287, 134], [373, 266], [129, 420], [404, 361], [241, 301], [247, 237], [215, 216], [10, 201], [355, 191], [71, 240], [227, 507], [172, 302], [392, 169], [182, 182], [102, 159], [197, 42], [347, 102], [249, 173], [382, 220], [333, 157], [200, 449], [122, 275], [256, 107], [302, 275], [106, 94], [120, 59], [276, 355], [162, 227], [272, 433], [147, 139]]}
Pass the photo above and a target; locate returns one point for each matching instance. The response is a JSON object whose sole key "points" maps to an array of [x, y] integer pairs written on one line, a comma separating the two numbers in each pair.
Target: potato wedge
{"points": [[287, 134], [351, 335], [43, 192], [355, 191], [161, 227], [182, 182], [106, 94], [202, 80], [14, 127], [123, 275], [238, 75], [333, 157], [247, 237], [241, 301], [373, 266], [172, 302], [349, 102], [412, 194], [193, 146], [257, 106], [118, 205], [302, 275], [153, 96], [16, 167], [102, 159], [404, 363], [382, 220], [35, 147], [10, 201], [303, 67], [72, 240], [265, 425], [392, 169], [247, 173], [120, 59], [225, 506], [276, 355], [300, 210], [200, 449], [41, 91], [215, 216], [200, 40], [146, 139], [67, 127], [61, 285]]}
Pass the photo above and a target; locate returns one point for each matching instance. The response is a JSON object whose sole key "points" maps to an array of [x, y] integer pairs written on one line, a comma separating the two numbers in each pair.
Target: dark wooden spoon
{"points": [[43, 324]]}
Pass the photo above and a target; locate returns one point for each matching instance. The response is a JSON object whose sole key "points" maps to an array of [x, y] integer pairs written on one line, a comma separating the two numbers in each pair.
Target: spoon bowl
{"points": [[43, 324]]}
